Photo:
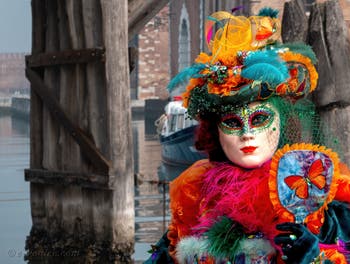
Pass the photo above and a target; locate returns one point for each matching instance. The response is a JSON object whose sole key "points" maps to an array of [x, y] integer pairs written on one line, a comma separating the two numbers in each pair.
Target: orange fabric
{"points": [[335, 256], [343, 193], [184, 202]]}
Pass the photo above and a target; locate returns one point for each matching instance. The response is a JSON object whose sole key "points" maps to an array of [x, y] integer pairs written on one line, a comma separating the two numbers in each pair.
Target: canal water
{"points": [[151, 189], [15, 216]]}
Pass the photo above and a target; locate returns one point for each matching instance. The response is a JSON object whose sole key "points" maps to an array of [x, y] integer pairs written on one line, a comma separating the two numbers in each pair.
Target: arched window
{"points": [[184, 40]]}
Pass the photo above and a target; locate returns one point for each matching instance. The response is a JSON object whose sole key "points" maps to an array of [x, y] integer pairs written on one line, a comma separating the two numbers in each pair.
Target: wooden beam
{"points": [[66, 178], [140, 12], [66, 57], [89, 149], [36, 113]]}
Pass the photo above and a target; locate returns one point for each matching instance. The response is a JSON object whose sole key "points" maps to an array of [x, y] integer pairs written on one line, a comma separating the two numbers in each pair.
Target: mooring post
{"points": [[115, 29]]}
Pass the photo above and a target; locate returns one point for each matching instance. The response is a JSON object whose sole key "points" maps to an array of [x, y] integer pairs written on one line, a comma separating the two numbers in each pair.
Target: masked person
{"points": [[271, 190]]}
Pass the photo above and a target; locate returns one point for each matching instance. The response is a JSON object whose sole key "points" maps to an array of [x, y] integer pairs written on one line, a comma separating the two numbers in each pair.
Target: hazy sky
{"points": [[15, 26]]}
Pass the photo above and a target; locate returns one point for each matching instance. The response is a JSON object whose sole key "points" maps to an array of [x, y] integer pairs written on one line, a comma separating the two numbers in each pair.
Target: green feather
{"points": [[268, 11], [224, 238]]}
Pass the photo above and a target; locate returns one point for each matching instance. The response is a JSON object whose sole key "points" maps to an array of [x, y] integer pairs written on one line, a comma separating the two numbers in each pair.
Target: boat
{"points": [[177, 132]]}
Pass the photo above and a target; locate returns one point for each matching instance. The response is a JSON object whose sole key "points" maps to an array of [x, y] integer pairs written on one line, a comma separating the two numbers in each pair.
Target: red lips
{"points": [[248, 149]]}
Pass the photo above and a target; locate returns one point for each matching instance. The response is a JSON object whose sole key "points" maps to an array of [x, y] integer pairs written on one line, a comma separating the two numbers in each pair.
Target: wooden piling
{"points": [[81, 169]]}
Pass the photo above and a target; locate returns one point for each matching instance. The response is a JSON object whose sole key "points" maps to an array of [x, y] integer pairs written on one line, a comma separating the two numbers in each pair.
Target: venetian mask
{"points": [[249, 135]]}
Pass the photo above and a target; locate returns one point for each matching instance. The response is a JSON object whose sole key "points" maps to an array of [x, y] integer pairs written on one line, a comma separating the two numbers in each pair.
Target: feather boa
{"points": [[241, 195]]}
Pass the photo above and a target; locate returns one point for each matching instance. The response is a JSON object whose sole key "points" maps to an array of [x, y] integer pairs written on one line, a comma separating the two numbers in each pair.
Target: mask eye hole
{"points": [[260, 119], [232, 122]]}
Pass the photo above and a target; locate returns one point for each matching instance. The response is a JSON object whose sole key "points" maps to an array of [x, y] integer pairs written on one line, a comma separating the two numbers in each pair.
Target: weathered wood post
{"points": [[115, 29], [81, 169], [325, 30]]}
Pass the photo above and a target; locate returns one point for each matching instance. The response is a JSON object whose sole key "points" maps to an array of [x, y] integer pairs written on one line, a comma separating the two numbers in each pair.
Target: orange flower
{"points": [[231, 83], [228, 59]]}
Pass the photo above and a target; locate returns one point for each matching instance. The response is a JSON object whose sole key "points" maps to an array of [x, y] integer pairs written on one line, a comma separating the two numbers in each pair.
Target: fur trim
{"points": [[254, 246], [190, 248]]}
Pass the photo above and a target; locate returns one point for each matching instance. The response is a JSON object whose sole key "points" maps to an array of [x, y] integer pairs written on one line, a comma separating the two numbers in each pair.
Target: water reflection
{"points": [[13, 125], [14, 191], [152, 214], [151, 190]]}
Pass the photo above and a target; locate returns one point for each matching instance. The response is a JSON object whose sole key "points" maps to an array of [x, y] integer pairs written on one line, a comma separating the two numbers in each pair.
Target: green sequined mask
{"points": [[247, 120]]}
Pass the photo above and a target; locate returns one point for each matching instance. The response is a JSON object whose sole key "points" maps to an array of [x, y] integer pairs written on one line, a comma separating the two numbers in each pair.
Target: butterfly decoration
{"points": [[301, 184], [302, 180]]}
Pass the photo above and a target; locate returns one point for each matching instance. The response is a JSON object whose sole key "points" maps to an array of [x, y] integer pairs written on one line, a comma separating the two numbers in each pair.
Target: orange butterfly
{"points": [[300, 184]]}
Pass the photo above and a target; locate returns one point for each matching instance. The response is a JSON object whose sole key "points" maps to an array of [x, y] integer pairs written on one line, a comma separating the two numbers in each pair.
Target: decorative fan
{"points": [[302, 180]]}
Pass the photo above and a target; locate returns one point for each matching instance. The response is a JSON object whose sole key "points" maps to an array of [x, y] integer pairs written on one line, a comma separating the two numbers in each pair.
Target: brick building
{"points": [[153, 60], [170, 42], [12, 77]]}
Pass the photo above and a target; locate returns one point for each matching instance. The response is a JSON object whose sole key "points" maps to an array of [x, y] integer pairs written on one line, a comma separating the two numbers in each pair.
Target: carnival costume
{"points": [[292, 208]]}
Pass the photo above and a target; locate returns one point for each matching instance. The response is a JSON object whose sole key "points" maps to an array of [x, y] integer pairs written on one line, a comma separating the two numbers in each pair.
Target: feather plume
{"points": [[227, 185], [268, 11], [186, 74], [265, 66], [236, 8], [224, 238], [301, 48], [190, 248]]}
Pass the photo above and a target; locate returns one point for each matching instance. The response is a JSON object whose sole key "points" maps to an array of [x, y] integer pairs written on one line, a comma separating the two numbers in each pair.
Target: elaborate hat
{"points": [[246, 63]]}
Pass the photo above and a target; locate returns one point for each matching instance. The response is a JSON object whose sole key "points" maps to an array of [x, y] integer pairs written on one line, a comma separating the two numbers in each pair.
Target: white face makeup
{"points": [[249, 136]]}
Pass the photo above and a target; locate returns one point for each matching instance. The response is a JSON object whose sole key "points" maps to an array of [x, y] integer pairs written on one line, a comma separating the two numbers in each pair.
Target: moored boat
{"points": [[177, 135]]}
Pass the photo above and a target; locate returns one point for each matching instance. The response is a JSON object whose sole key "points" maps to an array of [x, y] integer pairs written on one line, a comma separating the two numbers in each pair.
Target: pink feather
{"points": [[240, 194], [210, 34]]}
